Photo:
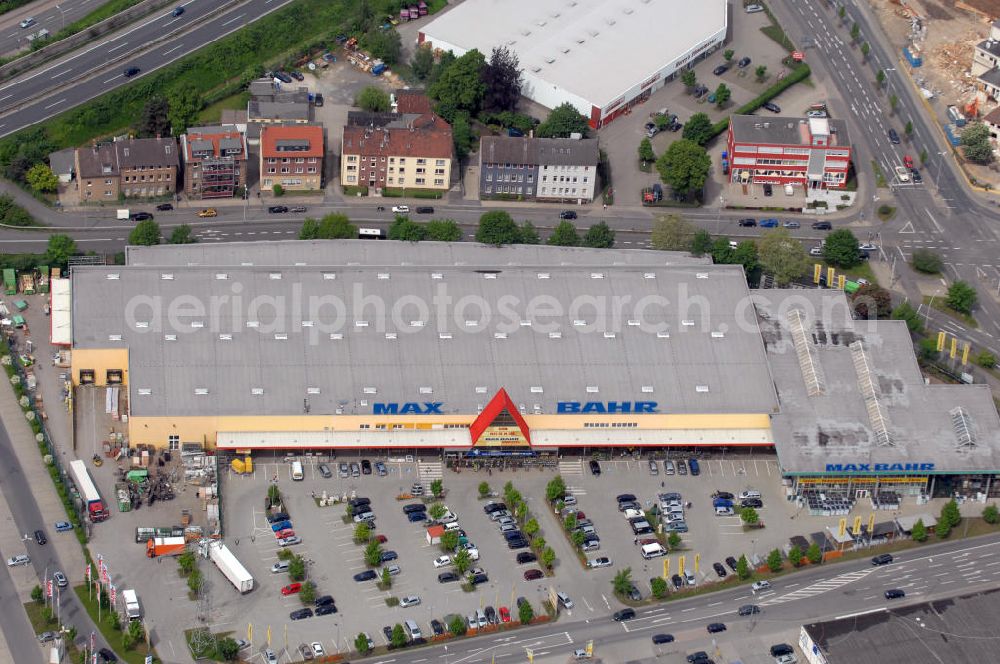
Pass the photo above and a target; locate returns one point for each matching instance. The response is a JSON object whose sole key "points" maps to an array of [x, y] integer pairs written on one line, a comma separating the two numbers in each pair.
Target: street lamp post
{"points": [[62, 16]]}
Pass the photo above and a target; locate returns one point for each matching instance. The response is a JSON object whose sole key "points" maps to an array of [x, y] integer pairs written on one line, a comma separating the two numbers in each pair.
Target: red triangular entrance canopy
{"points": [[498, 406]]}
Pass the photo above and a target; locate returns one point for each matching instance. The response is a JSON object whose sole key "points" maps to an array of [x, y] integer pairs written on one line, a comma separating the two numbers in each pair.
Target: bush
{"points": [[795, 556], [991, 514], [743, 568], [962, 297], [525, 612], [919, 532], [927, 261], [814, 553], [774, 561], [278, 190], [985, 359], [484, 489], [457, 625], [659, 587]]}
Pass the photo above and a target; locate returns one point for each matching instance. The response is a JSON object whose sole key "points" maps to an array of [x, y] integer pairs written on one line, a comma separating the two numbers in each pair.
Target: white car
{"points": [[760, 585], [60, 579], [868, 246], [27, 23], [603, 561], [401, 209], [443, 561], [17, 561], [473, 553], [749, 494], [816, 251], [447, 518], [270, 657], [816, 114], [318, 649], [409, 600], [902, 173], [289, 541]]}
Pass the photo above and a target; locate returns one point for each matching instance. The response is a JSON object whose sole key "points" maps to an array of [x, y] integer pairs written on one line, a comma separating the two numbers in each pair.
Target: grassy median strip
{"points": [[111, 627]]}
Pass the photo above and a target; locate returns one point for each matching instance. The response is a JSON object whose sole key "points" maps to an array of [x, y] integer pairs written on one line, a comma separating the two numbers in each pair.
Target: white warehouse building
{"points": [[602, 56]]}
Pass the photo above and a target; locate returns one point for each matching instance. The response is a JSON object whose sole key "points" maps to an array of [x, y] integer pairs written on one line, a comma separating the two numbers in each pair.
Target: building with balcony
{"points": [[396, 151], [291, 156], [215, 160], [133, 168], [553, 169], [810, 154]]}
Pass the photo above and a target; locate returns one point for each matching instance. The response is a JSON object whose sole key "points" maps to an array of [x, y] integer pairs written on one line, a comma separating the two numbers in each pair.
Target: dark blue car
{"points": [[769, 223], [414, 517], [693, 465]]}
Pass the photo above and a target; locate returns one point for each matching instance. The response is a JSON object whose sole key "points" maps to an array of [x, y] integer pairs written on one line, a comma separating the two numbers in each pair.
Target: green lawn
{"points": [[105, 11], [862, 271], [879, 176], [941, 305], [212, 114]]}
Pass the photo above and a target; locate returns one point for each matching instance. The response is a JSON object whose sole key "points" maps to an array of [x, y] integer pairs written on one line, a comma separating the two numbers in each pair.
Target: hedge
{"points": [[799, 74]]}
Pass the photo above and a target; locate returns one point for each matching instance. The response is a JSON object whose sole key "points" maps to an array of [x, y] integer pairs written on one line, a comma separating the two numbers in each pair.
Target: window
{"points": [[87, 376], [439, 162], [489, 189], [489, 177], [401, 181], [173, 442], [439, 182], [421, 180]]}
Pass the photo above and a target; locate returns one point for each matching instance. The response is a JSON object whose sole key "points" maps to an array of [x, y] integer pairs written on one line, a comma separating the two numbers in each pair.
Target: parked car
{"points": [[437, 627], [822, 226], [660, 639], [603, 561], [283, 77], [298, 209], [388, 555], [769, 223], [401, 209], [442, 561], [677, 581], [367, 575], [748, 222], [60, 579], [694, 466], [768, 190], [595, 468], [917, 177], [720, 70], [752, 502], [771, 106], [719, 569], [792, 224], [526, 557], [448, 577], [816, 114], [324, 470], [380, 469], [744, 62], [291, 589], [300, 614], [63, 526], [366, 467], [731, 561], [409, 600], [297, 75], [278, 526]]}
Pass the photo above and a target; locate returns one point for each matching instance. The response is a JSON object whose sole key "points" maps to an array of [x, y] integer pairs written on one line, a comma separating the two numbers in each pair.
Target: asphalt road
{"points": [[105, 61], [44, 559], [825, 592], [51, 16]]}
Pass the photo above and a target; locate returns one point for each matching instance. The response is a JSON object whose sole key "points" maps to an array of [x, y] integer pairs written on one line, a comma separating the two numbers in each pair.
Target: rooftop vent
{"points": [[543, 275], [718, 335], [142, 323], [490, 275], [221, 276], [444, 335], [369, 390], [197, 324], [662, 335], [312, 390], [591, 389], [257, 391], [329, 275], [114, 337], [383, 275], [436, 275], [280, 336], [417, 323], [481, 389], [555, 335], [499, 335], [647, 389], [390, 335], [112, 276], [201, 391], [687, 323], [253, 323], [426, 390], [275, 276], [360, 323], [225, 337], [701, 389], [145, 391], [336, 336], [170, 337], [962, 424]]}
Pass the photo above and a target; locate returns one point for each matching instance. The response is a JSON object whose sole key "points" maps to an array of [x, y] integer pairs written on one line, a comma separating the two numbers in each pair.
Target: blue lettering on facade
{"points": [[609, 407], [878, 467], [409, 408]]}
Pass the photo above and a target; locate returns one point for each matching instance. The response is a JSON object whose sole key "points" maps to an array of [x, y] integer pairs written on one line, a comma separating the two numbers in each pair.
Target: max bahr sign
{"points": [[879, 467]]}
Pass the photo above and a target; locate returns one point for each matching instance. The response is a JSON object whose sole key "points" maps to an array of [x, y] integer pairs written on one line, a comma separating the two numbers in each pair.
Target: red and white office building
{"points": [[812, 154]]}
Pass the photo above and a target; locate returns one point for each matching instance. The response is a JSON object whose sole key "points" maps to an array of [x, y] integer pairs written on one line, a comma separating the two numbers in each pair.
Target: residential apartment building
{"points": [[292, 156], [812, 153], [554, 169], [215, 161], [272, 104], [133, 168], [396, 151]]}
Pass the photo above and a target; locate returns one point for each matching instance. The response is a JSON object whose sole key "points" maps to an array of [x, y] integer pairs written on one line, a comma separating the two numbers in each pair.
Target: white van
{"points": [[634, 514], [653, 550], [412, 630], [297, 473], [723, 511]]}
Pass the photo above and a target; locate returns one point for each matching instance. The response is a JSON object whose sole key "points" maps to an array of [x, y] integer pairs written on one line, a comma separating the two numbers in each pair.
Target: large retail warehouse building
{"points": [[471, 350]]}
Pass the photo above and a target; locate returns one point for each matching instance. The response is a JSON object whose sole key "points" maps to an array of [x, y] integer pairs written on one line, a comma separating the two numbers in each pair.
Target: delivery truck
{"points": [[228, 564], [164, 546], [132, 609], [96, 509]]}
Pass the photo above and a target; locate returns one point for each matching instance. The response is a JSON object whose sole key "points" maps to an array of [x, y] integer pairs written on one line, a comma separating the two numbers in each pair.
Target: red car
{"points": [[287, 532], [532, 574], [908, 161], [580, 516], [381, 539], [291, 589], [504, 614]]}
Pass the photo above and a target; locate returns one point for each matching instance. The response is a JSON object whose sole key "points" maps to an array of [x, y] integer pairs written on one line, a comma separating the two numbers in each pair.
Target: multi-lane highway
{"points": [[53, 16], [99, 68]]}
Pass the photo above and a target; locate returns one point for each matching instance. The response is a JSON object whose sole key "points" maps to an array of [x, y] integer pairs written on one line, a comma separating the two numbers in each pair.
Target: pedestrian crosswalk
{"points": [[819, 587], [429, 470], [571, 467]]}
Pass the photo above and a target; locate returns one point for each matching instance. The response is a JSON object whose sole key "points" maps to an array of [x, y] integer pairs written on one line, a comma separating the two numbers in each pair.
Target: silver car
{"points": [[355, 470], [343, 470], [668, 467]]}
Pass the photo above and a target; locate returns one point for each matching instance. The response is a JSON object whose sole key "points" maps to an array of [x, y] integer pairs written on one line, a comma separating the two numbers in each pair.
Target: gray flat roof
{"points": [[571, 45], [543, 340], [387, 252], [786, 130], [836, 426], [958, 629]]}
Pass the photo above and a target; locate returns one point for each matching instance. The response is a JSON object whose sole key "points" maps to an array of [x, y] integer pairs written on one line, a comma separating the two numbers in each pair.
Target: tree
{"points": [[722, 95], [548, 557], [906, 312], [437, 488], [761, 73], [774, 561], [976, 143], [599, 236], [227, 648], [398, 639], [194, 581], [437, 510], [37, 594], [449, 540], [297, 568], [457, 626], [919, 532], [927, 261], [564, 235], [671, 233], [908, 128], [569, 523], [962, 297], [698, 129], [689, 79], [622, 582], [460, 86], [422, 62], [384, 45], [443, 230], [503, 79], [684, 166], [927, 349], [373, 553], [721, 251], [950, 514], [577, 536], [701, 243], [373, 100], [880, 78], [841, 249], [893, 102], [659, 587], [743, 568], [782, 256], [484, 489], [842, 13], [330, 227], [462, 137], [538, 543], [674, 540], [991, 514], [154, 119], [184, 104], [855, 32], [41, 178], [182, 235], [942, 530], [814, 553], [923, 157], [444, 61], [749, 516], [563, 120], [404, 228], [795, 555], [871, 301], [497, 228], [525, 613], [985, 359], [646, 153], [529, 235], [59, 249], [865, 50], [362, 533], [146, 233], [745, 254], [277, 190], [531, 528], [186, 561], [361, 643], [462, 561]]}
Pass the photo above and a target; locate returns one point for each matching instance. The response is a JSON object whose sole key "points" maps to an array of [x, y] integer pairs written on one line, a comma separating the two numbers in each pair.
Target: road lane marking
{"points": [[235, 18], [56, 103]]}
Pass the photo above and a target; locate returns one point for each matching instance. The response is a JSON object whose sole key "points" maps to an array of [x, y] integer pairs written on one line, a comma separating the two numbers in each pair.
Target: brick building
{"points": [[812, 153], [292, 156], [215, 161], [133, 168], [397, 151]]}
